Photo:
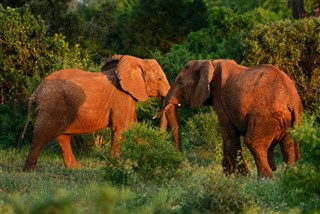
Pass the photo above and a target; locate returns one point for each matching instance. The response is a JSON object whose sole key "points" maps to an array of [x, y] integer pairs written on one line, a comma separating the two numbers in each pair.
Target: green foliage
{"points": [[145, 153], [294, 46], [174, 60], [204, 138], [11, 125], [308, 135], [168, 22], [148, 109], [27, 55], [56, 12], [221, 37], [304, 177], [105, 199], [100, 32], [209, 192]]}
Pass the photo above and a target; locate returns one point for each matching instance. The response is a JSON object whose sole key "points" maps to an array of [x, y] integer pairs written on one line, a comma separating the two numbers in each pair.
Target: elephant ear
{"points": [[202, 90], [131, 77], [111, 62]]}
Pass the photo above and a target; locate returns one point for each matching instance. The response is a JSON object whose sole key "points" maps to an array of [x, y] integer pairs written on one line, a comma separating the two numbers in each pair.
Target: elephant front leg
{"points": [[67, 154], [121, 118], [233, 160]]}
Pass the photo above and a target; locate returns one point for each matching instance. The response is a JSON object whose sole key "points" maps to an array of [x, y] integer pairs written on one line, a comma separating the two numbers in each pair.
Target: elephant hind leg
{"points": [[271, 160], [67, 154], [32, 158], [40, 138], [259, 141], [289, 149]]}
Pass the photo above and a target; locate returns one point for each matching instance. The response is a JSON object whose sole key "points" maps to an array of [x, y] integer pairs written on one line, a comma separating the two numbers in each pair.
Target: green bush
{"points": [[27, 55], [146, 154], [91, 199], [293, 46], [308, 136], [174, 60], [204, 137], [148, 109], [304, 177], [11, 125], [207, 191]]}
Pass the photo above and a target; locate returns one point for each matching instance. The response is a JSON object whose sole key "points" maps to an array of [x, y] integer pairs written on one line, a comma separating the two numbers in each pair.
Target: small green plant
{"points": [[304, 177], [146, 153], [204, 137], [308, 136], [208, 191]]}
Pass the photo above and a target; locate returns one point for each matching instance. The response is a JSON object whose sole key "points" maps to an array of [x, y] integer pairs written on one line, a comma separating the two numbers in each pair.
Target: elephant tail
{"points": [[295, 112], [31, 101]]}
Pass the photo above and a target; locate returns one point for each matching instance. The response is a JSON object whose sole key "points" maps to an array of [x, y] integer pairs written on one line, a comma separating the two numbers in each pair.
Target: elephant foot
{"points": [[30, 165], [265, 174], [28, 168], [73, 165]]}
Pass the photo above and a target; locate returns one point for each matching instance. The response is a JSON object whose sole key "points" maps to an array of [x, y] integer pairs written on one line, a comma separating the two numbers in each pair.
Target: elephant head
{"points": [[246, 105], [191, 87], [142, 78]]}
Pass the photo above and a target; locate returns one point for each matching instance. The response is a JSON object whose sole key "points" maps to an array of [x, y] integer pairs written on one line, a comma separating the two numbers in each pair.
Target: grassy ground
{"points": [[194, 189]]}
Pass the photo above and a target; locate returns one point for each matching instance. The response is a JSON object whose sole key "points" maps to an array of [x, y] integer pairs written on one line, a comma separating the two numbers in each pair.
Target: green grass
{"points": [[198, 189], [151, 178]]}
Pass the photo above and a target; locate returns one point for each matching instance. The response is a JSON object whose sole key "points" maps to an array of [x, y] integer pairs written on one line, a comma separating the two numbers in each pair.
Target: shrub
{"points": [[27, 55], [204, 137], [11, 125], [145, 154], [174, 60], [207, 191], [148, 109], [308, 135], [91, 199], [304, 177], [294, 46]]}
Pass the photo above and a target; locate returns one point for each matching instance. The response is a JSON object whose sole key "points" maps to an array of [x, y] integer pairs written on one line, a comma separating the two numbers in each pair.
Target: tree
{"points": [[298, 9], [58, 18], [27, 53], [158, 24]]}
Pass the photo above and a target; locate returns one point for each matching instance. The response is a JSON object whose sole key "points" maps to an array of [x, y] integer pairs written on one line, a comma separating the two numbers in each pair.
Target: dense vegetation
{"points": [[38, 37]]}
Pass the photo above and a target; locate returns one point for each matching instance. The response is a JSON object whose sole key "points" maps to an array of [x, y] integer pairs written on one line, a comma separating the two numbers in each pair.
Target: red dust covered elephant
{"points": [[73, 101], [259, 103]]}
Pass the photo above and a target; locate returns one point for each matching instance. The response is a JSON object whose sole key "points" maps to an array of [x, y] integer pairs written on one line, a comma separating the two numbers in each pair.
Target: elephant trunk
{"points": [[163, 118], [172, 117], [169, 115]]}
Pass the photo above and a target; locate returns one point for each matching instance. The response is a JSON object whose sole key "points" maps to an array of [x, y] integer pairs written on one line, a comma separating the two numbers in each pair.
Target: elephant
{"points": [[72, 101], [259, 103]]}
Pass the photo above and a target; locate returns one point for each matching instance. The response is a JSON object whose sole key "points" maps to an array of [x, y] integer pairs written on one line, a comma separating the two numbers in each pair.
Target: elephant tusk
{"points": [[162, 111]]}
